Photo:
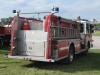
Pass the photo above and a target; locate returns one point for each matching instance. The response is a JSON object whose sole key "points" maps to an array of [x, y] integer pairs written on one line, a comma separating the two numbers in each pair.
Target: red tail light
{"points": [[26, 25]]}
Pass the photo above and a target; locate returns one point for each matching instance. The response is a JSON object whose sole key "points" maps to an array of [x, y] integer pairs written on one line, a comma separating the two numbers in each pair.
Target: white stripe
{"points": [[78, 45], [63, 48]]}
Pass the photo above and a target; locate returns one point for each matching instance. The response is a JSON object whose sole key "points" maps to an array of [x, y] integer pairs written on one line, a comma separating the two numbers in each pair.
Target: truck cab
{"points": [[86, 30]]}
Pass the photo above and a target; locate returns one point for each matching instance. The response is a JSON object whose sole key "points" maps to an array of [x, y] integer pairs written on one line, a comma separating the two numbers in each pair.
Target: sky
{"points": [[87, 9]]}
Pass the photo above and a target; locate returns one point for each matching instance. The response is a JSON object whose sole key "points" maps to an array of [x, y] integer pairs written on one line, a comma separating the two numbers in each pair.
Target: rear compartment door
{"points": [[32, 43]]}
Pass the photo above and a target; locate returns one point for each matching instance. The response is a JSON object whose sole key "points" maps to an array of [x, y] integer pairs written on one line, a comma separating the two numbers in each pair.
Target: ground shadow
{"points": [[3, 67], [82, 63]]}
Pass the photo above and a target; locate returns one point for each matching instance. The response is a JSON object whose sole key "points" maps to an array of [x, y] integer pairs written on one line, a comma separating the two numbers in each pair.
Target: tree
{"points": [[5, 21]]}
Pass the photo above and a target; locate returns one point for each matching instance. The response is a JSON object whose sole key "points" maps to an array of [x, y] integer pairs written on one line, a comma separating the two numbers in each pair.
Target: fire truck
{"points": [[49, 40], [5, 32]]}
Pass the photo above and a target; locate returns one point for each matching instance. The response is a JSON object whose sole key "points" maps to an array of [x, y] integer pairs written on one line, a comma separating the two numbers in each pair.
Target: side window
{"points": [[91, 28], [62, 32], [88, 28], [81, 27]]}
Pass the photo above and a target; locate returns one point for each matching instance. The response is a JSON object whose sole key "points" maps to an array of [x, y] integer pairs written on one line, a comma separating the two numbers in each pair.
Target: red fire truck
{"points": [[50, 40], [5, 32]]}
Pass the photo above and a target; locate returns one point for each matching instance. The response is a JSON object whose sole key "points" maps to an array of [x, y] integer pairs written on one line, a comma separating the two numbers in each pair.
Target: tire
{"points": [[71, 55]]}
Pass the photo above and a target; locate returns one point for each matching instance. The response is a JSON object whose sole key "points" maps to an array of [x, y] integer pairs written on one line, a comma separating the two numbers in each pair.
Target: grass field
{"points": [[83, 65], [96, 33]]}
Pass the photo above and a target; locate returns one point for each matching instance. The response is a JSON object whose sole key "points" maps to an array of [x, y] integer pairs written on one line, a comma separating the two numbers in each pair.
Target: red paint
{"points": [[47, 29], [26, 25], [46, 24], [62, 43], [5, 30], [62, 53]]}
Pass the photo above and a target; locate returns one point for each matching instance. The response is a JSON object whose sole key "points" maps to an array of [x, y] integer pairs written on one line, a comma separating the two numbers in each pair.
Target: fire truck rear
{"points": [[50, 40]]}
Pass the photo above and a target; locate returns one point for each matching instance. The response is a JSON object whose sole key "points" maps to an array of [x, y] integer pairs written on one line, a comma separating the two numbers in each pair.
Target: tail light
{"points": [[26, 25]]}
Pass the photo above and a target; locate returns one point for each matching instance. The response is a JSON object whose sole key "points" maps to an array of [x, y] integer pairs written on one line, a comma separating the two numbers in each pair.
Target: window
{"points": [[62, 32], [88, 28], [81, 27], [91, 28]]}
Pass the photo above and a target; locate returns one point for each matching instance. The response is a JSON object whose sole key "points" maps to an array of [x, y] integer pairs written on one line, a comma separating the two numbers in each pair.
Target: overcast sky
{"points": [[88, 9]]}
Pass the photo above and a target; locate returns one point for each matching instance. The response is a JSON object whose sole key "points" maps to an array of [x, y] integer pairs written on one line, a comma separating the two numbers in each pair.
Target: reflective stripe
{"points": [[63, 48], [78, 45]]}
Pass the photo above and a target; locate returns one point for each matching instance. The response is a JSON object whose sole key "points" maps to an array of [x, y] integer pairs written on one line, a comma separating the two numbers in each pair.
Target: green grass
{"points": [[3, 52], [83, 65], [97, 25], [96, 33]]}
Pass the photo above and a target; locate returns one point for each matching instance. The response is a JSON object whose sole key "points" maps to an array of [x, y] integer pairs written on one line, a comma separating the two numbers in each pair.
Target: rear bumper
{"points": [[31, 58]]}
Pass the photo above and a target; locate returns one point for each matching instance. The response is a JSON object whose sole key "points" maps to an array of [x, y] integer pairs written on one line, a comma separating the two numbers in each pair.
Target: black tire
{"points": [[71, 55]]}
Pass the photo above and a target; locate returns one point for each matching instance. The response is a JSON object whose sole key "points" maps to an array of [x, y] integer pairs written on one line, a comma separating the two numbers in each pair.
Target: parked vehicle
{"points": [[5, 32], [50, 40]]}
